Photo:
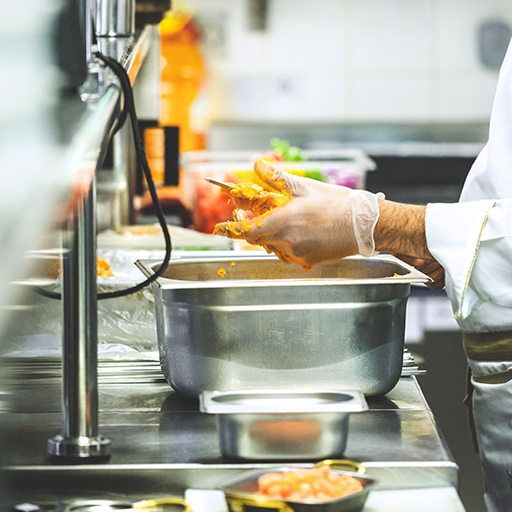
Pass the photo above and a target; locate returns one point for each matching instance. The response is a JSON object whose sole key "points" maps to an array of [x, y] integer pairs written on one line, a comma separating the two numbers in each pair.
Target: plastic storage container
{"points": [[347, 167]]}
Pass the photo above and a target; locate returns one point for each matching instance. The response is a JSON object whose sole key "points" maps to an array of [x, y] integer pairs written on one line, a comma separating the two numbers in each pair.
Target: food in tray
{"points": [[144, 230], [317, 484], [102, 268]]}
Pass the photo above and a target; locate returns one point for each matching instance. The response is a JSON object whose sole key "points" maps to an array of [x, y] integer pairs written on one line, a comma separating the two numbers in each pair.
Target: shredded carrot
{"points": [[103, 268]]}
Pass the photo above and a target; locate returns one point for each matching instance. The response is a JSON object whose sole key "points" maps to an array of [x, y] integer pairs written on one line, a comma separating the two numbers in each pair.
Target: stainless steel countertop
{"points": [[162, 444]]}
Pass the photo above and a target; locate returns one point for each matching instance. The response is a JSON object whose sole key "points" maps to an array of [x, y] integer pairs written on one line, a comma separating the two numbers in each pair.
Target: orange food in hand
{"points": [[236, 228], [250, 196], [308, 484]]}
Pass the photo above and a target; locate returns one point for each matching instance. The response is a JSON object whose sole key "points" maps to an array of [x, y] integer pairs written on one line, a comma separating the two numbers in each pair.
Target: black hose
{"points": [[129, 108]]}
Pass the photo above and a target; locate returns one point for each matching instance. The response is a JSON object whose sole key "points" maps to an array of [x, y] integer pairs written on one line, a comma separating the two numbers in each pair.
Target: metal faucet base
{"points": [[79, 447]]}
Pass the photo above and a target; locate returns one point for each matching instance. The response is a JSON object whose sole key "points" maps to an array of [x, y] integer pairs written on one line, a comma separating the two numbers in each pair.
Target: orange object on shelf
{"points": [[183, 78], [154, 144]]}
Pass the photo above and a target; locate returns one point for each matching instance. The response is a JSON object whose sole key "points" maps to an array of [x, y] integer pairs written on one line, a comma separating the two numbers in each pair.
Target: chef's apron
{"points": [[490, 411]]}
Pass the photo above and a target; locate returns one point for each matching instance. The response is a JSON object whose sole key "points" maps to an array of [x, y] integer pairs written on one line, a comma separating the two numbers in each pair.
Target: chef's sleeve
{"points": [[473, 242]]}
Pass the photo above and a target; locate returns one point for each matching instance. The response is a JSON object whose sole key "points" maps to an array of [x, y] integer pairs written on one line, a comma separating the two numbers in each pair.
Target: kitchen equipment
{"points": [[242, 491], [115, 18], [221, 184], [284, 424], [169, 503], [241, 322]]}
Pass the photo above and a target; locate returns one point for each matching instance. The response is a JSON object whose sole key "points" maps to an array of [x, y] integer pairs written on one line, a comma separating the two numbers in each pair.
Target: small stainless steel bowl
{"points": [[242, 492], [283, 424]]}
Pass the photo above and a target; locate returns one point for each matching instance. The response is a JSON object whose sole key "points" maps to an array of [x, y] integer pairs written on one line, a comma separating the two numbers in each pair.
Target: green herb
{"points": [[289, 153]]}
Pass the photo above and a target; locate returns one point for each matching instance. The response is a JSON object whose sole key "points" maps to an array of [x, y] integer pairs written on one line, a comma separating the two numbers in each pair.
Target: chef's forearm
{"points": [[401, 229]]}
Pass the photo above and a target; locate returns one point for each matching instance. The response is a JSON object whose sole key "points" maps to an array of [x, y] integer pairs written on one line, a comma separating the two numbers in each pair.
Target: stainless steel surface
{"points": [[259, 270], [266, 325], [410, 365], [457, 139], [93, 506], [131, 52], [163, 445], [282, 425], [243, 491], [169, 503], [282, 401], [125, 164], [121, 372], [218, 183], [80, 430], [115, 18], [85, 12], [267, 437], [119, 181]]}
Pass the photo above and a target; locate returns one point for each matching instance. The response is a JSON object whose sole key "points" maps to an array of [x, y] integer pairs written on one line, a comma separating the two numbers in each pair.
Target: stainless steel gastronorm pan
{"points": [[282, 425], [256, 323]]}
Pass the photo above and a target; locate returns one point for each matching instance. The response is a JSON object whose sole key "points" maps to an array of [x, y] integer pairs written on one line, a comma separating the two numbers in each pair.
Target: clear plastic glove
{"points": [[322, 222]]}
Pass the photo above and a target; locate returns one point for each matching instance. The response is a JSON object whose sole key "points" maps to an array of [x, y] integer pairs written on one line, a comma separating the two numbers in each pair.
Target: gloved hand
{"points": [[321, 222]]}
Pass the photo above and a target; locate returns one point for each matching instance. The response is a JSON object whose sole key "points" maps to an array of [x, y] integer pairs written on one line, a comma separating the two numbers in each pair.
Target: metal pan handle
{"points": [[239, 504], [347, 465]]}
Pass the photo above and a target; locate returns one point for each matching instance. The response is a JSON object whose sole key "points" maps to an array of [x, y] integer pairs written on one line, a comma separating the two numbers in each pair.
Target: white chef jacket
{"points": [[472, 239]]}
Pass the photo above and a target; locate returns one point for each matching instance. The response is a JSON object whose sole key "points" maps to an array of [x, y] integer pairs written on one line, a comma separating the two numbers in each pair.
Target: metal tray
{"points": [[267, 325], [282, 425], [242, 494]]}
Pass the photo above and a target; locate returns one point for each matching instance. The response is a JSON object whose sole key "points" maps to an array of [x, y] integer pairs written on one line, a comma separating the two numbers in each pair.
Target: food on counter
{"points": [[103, 268], [308, 484], [143, 230]]}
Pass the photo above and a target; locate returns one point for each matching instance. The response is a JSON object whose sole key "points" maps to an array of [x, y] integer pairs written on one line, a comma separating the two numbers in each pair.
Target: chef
{"points": [[468, 244]]}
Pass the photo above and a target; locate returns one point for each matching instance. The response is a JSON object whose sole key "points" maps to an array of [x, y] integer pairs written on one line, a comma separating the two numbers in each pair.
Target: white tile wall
{"points": [[348, 60]]}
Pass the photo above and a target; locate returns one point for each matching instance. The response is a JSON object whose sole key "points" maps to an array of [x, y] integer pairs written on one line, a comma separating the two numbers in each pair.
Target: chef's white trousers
{"points": [[492, 414]]}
